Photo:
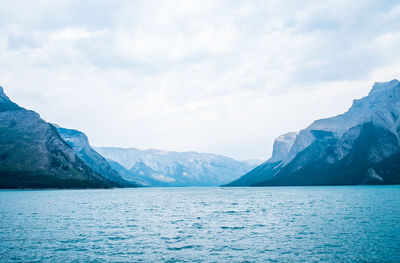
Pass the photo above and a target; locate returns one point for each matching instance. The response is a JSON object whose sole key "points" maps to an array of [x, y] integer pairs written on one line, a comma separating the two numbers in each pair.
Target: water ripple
{"points": [[280, 224]]}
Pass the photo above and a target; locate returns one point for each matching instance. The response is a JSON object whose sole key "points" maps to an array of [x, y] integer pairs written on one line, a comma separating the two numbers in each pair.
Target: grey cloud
{"points": [[225, 75]]}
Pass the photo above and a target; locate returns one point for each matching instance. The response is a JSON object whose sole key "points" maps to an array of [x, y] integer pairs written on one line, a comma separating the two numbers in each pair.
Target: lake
{"points": [[277, 224]]}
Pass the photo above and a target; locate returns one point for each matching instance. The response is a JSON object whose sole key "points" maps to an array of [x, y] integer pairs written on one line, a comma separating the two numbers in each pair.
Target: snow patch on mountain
{"points": [[373, 175]]}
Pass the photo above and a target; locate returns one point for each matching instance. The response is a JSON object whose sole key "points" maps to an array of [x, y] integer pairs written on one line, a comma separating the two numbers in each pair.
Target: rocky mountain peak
{"points": [[384, 86], [5, 103], [381, 94], [3, 96]]}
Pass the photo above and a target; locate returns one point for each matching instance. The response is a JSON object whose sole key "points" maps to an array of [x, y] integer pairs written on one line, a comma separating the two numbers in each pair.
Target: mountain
{"points": [[252, 162], [33, 155], [80, 144], [164, 168], [361, 146]]}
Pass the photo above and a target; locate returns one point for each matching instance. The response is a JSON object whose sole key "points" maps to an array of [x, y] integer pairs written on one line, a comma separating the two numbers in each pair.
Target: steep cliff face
{"points": [[357, 147], [80, 144], [33, 155], [282, 146]]}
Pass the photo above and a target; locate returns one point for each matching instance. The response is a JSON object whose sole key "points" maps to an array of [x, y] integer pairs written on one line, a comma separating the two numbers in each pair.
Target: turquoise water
{"points": [[282, 224]]}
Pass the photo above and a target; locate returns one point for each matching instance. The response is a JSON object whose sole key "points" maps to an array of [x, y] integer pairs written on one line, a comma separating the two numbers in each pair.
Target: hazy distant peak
{"points": [[253, 162], [169, 168]]}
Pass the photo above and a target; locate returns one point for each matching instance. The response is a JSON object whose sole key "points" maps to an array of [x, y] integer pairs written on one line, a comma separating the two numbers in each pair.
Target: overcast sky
{"points": [[225, 77]]}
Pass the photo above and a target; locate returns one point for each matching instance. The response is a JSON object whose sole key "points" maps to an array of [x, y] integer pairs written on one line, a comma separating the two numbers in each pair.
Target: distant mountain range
{"points": [[361, 146], [166, 168]]}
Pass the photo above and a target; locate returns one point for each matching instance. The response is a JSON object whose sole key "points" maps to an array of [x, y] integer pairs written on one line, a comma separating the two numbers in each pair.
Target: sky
{"points": [[224, 77]]}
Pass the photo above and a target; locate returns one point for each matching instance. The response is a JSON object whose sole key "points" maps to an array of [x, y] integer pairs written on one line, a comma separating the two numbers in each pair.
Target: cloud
{"points": [[74, 34], [213, 76]]}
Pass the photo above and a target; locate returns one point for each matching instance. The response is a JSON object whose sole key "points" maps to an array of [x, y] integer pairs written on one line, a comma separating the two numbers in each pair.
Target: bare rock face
{"points": [[282, 146], [33, 155]]}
